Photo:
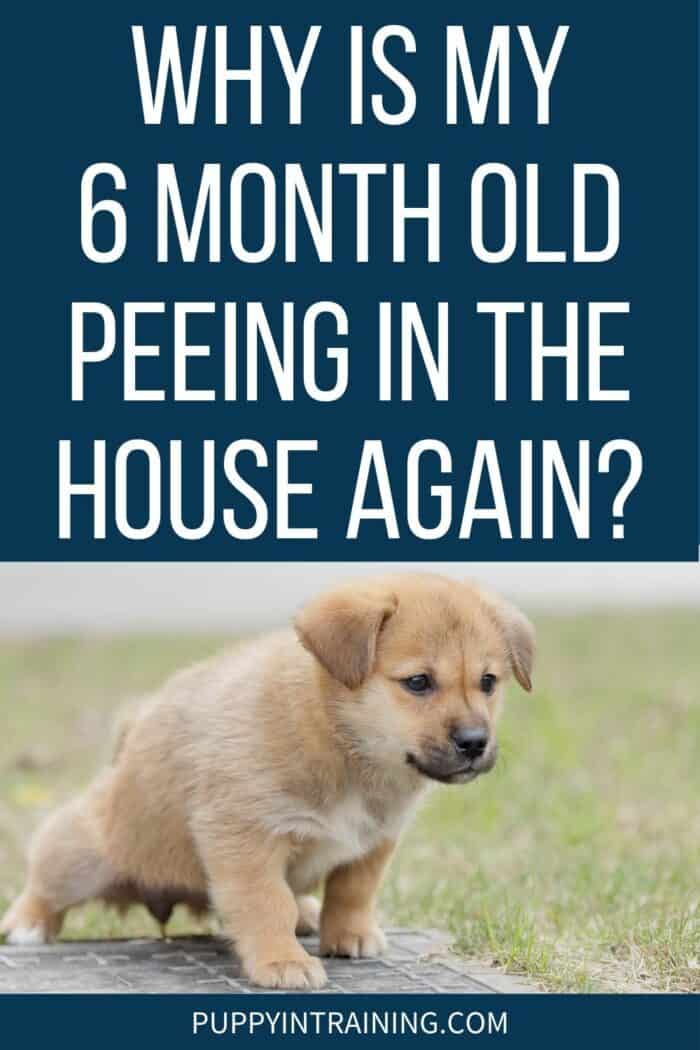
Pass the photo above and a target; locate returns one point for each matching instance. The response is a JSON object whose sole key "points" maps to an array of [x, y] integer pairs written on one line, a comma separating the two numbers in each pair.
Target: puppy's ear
{"points": [[519, 635], [341, 630]]}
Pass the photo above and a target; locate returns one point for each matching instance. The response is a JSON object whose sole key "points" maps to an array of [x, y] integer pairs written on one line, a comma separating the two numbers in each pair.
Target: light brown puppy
{"points": [[251, 778]]}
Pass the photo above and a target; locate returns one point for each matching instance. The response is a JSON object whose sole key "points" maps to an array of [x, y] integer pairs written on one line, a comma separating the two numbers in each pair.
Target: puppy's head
{"points": [[419, 663]]}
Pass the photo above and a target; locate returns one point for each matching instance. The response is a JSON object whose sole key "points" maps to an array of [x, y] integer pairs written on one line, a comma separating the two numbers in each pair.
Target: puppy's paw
{"points": [[23, 924], [303, 974], [362, 941], [309, 916], [30, 921], [26, 935]]}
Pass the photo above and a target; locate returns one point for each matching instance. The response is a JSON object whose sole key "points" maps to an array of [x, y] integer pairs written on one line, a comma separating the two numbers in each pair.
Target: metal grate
{"points": [[416, 961]]}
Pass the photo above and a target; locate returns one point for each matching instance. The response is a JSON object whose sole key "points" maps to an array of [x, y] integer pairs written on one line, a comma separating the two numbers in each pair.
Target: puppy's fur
{"points": [[251, 778]]}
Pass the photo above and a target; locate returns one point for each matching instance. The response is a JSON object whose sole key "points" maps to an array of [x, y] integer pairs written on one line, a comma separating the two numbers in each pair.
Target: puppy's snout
{"points": [[470, 741]]}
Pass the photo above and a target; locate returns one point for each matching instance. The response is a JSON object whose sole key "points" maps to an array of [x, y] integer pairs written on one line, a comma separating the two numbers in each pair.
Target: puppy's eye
{"points": [[488, 683], [418, 684]]}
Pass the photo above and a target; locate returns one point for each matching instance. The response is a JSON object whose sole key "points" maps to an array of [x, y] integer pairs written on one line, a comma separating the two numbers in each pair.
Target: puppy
{"points": [[253, 777]]}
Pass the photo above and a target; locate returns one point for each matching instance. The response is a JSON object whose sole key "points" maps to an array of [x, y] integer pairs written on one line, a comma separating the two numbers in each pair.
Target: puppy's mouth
{"points": [[444, 772]]}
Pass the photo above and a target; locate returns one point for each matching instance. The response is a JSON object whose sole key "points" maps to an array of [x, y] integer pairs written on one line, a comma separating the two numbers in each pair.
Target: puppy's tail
{"points": [[124, 722]]}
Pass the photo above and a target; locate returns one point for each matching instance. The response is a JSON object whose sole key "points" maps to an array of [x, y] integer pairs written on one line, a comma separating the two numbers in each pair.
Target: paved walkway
{"points": [[416, 962]]}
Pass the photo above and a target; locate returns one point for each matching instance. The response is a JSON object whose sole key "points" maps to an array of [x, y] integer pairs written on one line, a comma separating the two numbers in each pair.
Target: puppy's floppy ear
{"points": [[519, 635], [341, 628]]}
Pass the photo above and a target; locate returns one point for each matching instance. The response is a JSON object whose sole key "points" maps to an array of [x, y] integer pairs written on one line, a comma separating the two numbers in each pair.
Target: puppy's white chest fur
{"points": [[348, 830]]}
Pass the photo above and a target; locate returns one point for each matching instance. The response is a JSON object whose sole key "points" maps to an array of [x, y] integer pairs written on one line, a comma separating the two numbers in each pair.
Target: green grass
{"points": [[576, 862]]}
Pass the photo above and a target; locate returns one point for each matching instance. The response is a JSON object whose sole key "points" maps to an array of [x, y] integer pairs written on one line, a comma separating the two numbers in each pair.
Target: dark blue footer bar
{"points": [[513, 1021]]}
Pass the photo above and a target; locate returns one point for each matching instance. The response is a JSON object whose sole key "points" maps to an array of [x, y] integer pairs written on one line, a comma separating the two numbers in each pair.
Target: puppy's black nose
{"points": [[470, 741]]}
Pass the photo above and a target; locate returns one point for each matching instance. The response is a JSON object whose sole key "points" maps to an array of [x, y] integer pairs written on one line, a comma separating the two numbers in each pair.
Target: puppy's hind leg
{"points": [[65, 868]]}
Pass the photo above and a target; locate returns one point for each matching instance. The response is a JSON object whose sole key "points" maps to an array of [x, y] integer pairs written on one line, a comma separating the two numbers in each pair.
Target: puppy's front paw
{"points": [[304, 974], [357, 941]]}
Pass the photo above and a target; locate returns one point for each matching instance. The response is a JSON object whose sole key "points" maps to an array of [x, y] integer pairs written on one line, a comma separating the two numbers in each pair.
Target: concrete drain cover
{"points": [[416, 961]]}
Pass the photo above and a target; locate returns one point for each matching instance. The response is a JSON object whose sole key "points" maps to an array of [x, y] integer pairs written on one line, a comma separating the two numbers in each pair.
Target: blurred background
{"points": [[576, 862], [56, 598]]}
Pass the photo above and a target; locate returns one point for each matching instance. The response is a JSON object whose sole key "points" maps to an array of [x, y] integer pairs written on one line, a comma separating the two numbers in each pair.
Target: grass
{"points": [[576, 862]]}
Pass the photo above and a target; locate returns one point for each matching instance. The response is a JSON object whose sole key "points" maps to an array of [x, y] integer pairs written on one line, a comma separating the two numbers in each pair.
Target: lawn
{"points": [[576, 862]]}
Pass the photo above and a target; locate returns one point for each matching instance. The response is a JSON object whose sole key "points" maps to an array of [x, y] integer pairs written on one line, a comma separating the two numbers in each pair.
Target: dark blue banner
{"points": [[515, 1022]]}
